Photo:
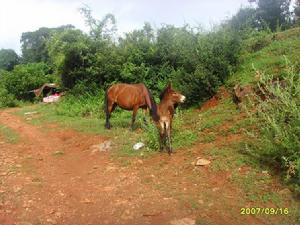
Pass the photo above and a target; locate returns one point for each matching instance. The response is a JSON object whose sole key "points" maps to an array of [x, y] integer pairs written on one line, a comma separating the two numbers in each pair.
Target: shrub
{"points": [[217, 57], [278, 120], [25, 78], [6, 99]]}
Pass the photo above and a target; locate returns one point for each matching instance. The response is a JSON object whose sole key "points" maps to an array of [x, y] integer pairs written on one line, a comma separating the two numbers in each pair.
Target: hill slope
{"points": [[267, 54]]}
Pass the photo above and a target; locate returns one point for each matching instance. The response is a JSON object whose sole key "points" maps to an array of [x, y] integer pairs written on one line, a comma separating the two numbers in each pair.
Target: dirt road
{"points": [[53, 176]]}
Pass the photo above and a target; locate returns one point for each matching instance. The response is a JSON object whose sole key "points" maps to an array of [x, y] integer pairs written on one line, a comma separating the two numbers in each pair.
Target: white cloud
{"points": [[18, 16]]}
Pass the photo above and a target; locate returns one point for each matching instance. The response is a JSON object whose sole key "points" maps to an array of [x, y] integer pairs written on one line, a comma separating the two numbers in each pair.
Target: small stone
{"points": [[215, 189], [138, 146], [52, 221], [202, 162], [200, 201], [103, 147], [265, 172], [52, 211], [24, 223], [30, 113], [58, 214], [58, 153], [17, 189], [86, 201], [184, 221]]}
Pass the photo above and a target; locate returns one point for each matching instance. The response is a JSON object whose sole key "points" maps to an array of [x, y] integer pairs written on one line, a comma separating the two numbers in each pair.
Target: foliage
{"points": [[244, 21], [8, 59], [278, 118], [9, 135], [86, 105], [103, 29], [25, 78], [6, 98], [297, 12], [78, 58], [217, 56], [33, 44], [275, 13], [263, 52]]}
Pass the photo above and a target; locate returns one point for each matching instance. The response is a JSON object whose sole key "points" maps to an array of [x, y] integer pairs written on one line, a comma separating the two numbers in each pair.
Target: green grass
{"points": [[8, 134], [121, 134], [270, 59], [208, 137]]}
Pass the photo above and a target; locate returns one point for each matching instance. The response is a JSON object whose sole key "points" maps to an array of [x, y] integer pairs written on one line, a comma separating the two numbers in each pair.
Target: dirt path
{"points": [[51, 176]]}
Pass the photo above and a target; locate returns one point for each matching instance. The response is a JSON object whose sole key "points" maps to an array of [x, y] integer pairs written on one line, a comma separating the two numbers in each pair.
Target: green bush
{"points": [[7, 99], [278, 120], [217, 58], [25, 78]]}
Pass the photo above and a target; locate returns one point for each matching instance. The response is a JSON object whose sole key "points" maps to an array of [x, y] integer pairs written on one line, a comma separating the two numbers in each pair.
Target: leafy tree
{"points": [[216, 57], [8, 59], [99, 29], [273, 12], [244, 20], [34, 43], [177, 46], [297, 11], [67, 51]]}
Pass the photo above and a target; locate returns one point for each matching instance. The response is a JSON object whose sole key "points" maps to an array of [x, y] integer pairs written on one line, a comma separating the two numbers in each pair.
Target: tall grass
{"points": [[278, 120], [9, 135], [87, 105]]}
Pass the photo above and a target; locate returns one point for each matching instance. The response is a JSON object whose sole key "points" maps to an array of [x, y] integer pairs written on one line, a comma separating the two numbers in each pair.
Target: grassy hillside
{"points": [[267, 53]]}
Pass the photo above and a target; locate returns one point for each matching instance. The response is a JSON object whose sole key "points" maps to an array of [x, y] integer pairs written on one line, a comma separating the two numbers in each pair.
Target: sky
{"points": [[18, 16]]}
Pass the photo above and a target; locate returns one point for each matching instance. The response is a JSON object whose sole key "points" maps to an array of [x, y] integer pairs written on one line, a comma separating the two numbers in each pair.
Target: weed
{"points": [[278, 121], [208, 138], [9, 134]]}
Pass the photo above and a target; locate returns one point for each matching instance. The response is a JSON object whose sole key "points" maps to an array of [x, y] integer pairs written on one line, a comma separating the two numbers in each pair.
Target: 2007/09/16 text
{"points": [[264, 211]]}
